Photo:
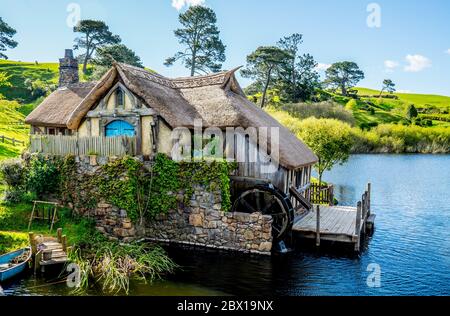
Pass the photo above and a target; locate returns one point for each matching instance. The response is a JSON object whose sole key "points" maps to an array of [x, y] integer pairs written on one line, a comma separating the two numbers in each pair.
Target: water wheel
{"points": [[268, 200]]}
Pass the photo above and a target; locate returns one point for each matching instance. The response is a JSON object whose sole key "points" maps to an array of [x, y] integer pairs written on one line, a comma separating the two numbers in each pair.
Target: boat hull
{"points": [[15, 270]]}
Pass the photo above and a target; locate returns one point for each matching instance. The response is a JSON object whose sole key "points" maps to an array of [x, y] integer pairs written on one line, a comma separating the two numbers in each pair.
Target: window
{"points": [[120, 98]]}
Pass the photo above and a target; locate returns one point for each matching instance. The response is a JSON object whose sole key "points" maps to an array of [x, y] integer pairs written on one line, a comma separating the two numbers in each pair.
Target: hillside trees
{"points": [[298, 78], [107, 55], [265, 64], [344, 76], [411, 112], [388, 86], [203, 49], [94, 34], [6, 41]]}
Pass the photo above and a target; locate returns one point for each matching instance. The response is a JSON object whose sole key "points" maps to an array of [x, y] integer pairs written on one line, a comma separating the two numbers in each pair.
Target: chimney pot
{"points": [[69, 53]]}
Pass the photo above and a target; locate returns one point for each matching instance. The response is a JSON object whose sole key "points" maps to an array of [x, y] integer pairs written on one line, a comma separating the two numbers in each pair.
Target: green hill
{"points": [[20, 72], [369, 109], [12, 126]]}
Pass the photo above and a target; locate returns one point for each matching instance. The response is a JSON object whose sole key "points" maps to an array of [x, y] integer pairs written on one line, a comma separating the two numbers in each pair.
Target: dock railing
{"points": [[322, 194], [60, 145], [363, 212]]}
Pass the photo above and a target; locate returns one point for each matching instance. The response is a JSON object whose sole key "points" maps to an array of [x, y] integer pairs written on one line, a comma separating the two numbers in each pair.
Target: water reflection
{"points": [[411, 243]]}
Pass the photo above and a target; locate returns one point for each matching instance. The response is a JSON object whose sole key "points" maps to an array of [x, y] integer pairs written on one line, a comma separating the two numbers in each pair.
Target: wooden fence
{"points": [[83, 146], [322, 194], [13, 141]]}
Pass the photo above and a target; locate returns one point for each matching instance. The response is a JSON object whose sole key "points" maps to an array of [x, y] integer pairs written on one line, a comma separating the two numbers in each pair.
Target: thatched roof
{"points": [[57, 107], [216, 99]]}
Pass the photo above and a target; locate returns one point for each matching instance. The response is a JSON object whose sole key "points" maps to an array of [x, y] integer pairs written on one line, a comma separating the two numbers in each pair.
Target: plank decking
{"points": [[337, 223]]}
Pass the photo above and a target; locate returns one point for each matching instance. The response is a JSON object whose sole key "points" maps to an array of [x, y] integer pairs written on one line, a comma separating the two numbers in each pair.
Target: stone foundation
{"points": [[202, 223]]}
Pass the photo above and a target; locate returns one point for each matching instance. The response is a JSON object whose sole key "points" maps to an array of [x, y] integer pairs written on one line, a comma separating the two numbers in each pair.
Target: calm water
{"points": [[411, 243]]}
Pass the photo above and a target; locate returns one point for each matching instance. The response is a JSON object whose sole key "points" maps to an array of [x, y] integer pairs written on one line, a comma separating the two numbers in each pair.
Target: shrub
{"points": [[13, 174], [325, 110], [43, 176], [351, 105], [411, 112]]}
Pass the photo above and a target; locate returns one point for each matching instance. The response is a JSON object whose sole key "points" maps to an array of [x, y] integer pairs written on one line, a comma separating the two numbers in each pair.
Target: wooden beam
{"points": [[64, 242], [59, 234], [32, 243], [358, 226], [318, 226]]}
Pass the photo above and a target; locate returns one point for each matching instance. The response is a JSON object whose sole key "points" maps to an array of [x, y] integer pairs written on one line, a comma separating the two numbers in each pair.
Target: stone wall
{"points": [[202, 223]]}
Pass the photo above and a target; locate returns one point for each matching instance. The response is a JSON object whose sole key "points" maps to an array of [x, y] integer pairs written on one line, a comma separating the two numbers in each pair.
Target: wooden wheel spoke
{"points": [[269, 205], [247, 205]]}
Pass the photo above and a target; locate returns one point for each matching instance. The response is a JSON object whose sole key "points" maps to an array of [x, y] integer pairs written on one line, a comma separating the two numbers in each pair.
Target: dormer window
{"points": [[120, 98]]}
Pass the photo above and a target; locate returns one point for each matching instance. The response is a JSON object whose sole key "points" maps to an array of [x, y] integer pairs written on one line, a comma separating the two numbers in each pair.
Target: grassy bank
{"points": [[12, 126], [384, 138]]}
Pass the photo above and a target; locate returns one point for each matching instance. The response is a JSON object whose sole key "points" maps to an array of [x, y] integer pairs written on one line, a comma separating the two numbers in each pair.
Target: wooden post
{"points": [[54, 217], [64, 242], [59, 234], [32, 214], [318, 226], [37, 261], [32, 243], [331, 194], [364, 212], [358, 227], [369, 188]]}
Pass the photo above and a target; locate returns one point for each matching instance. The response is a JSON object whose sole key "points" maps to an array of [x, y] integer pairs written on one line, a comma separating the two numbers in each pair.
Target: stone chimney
{"points": [[68, 69]]}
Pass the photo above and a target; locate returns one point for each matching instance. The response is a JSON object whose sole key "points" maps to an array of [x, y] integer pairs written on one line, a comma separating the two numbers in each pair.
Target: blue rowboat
{"points": [[8, 269]]}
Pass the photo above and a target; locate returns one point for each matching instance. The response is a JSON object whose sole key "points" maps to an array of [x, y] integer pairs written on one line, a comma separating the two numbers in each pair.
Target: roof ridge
{"points": [[218, 78]]}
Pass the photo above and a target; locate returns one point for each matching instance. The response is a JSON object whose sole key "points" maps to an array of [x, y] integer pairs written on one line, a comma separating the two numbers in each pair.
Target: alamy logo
{"points": [[374, 17], [74, 17], [374, 278], [258, 146]]}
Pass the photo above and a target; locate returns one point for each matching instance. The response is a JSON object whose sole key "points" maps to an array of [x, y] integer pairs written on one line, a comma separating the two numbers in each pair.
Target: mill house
{"points": [[132, 111]]}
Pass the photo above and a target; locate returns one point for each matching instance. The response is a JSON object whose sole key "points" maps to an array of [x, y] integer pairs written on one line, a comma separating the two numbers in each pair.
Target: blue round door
{"points": [[119, 128]]}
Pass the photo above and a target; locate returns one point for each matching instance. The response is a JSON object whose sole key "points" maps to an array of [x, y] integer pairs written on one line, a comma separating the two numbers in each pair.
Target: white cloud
{"points": [[447, 51], [322, 67], [417, 63], [179, 4], [390, 65]]}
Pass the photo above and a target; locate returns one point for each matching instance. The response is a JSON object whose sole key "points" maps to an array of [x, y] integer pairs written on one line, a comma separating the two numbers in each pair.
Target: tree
{"points": [[388, 85], [263, 64], [411, 112], [331, 140], [95, 34], [344, 76], [6, 41], [204, 51], [299, 80], [291, 44], [107, 55]]}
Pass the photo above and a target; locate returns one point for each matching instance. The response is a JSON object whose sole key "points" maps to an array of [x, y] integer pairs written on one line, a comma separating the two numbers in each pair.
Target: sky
{"points": [[407, 41]]}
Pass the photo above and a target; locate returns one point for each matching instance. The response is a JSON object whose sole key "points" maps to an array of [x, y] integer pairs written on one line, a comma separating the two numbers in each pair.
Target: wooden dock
{"points": [[48, 251], [337, 223]]}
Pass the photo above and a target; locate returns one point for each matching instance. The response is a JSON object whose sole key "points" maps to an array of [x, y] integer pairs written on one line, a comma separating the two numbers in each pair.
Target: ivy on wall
{"points": [[144, 192]]}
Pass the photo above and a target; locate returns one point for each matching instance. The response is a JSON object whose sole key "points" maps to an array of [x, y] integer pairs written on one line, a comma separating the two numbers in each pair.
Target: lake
{"points": [[411, 243]]}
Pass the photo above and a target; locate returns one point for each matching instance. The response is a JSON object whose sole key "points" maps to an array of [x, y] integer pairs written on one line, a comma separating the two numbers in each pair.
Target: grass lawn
{"points": [[21, 71], [12, 126], [419, 100], [14, 225]]}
